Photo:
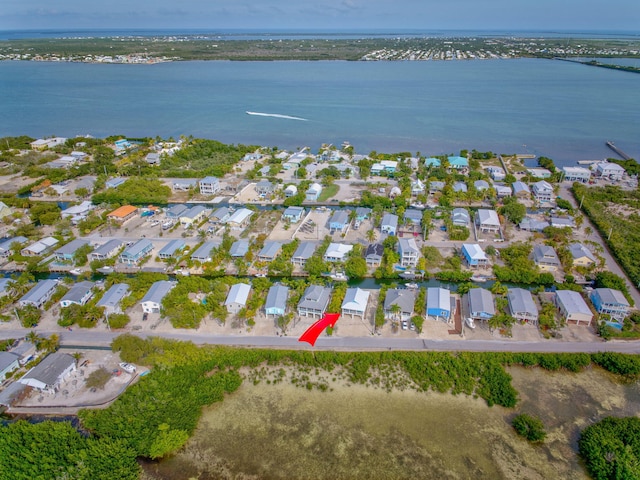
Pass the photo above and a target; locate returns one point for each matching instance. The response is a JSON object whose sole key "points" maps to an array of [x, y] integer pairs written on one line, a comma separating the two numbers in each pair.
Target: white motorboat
{"points": [[470, 323]]}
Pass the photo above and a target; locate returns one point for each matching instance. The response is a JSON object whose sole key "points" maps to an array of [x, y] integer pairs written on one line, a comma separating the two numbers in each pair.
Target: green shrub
{"points": [[529, 427]]}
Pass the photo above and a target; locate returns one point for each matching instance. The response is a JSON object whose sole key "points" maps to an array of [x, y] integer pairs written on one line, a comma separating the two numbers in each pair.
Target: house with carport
{"points": [[237, 297], [135, 253], [50, 372], [276, 302], [78, 294], [439, 304], [111, 299], [152, 301], [572, 307], [389, 224], [107, 250], [522, 306], [404, 298], [314, 301], [481, 304], [355, 302], [611, 302]]}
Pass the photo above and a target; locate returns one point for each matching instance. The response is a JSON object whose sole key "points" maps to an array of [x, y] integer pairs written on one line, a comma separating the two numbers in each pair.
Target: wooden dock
{"points": [[623, 155]]}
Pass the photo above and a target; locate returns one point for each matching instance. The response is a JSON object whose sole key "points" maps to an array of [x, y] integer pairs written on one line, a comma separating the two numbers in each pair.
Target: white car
{"points": [[127, 367], [404, 325]]}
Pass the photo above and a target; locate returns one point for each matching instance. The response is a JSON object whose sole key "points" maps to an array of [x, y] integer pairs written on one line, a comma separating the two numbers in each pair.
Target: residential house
{"points": [[539, 172], [40, 294], [293, 214], [203, 253], [481, 305], [432, 162], [209, 186], [609, 170], [496, 173], [276, 302], [339, 221], [384, 167], [611, 302], [522, 306], [220, 215], [114, 182], [404, 298], [153, 158], [239, 248], [107, 250], [560, 222], [240, 218], [42, 144], [66, 252], [409, 252], [290, 191], [313, 192], [362, 213], [264, 187], [572, 307], [5, 283], [25, 350], [78, 294], [460, 217], [77, 213], [460, 187], [487, 221], [373, 254], [172, 249], [303, 253], [582, 256], [269, 251], [6, 245], [176, 211], [436, 186], [521, 189], [355, 302], [542, 191], [314, 301], [50, 372], [40, 247], [417, 187], [413, 217], [546, 258], [110, 301], [474, 256], [193, 216], [502, 191], [389, 224], [135, 253], [184, 184], [576, 174], [237, 297], [481, 185], [122, 214], [458, 163], [530, 224], [337, 252], [439, 303], [8, 363], [152, 301]]}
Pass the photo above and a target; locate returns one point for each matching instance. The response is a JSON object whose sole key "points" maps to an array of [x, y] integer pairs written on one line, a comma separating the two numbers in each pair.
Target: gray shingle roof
{"points": [[49, 370]]}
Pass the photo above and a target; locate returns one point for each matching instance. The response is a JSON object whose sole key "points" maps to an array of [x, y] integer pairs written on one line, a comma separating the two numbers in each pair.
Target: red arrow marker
{"points": [[314, 331]]}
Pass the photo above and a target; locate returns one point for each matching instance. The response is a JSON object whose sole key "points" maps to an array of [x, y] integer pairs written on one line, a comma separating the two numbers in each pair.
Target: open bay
{"points": [[559, 109]]}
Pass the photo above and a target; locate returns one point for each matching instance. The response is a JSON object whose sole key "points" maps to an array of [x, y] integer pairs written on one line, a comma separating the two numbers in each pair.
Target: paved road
{"points": [[94, 338]]}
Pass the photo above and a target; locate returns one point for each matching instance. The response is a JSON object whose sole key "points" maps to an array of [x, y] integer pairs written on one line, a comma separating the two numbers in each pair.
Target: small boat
{"points": [[470, 323], [338, 276], [408, 276], [411, 285], [261, 275], [75, 271], [479, 278], [104, 270]]}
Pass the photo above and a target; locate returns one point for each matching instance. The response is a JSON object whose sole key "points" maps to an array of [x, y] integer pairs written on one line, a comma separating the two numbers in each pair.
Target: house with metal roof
{"points": [[487, 220], [582, 256], [457, 162], [107, 250], [276, 302], [203, 253], [436, 186], [8, 363], [172, 249], [460, 187], [152, 158], [362, 213], [264, 187], [474, 256], [209, 186], [237, 297], [293, 214], [152, 300], [563, 222], [184, 184], [175, 211], [521, 189], [337, 252], [78, 294], [611, 302], [417, 187], [314, 301], [530, 224], [522, 306], [496, 173], [122, 214], [194, 215], [240, 217], [135, 253], [66, 252], [40, 294], [303, 253], [50, 372], [542, 191], [5, 283], [239, 248], [114, 182], [389, 224], [404, 298], [481, 185], [413, 216], [432, 162], [6, 245], [539, 172], [460, 217], [373, 254], [609, 170], [355, 302], [269, 251], [111, 299], [290, 191], [77, 212], [409, 252], [40, 247], [481, 305], [546, 258], [439, 303], [576, 174], [220, 215], [572, 307], [502, 191], [339, 221], [313, 192]]}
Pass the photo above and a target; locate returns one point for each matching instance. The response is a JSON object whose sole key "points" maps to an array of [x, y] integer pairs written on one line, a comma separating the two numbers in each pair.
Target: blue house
{"points": [[293, 214], [439, 303], [431, 162], [276, 302], [481, 306], [172, 249], [339, 221], [611, 302], [474, 255], [136, 252], [458, 163]]}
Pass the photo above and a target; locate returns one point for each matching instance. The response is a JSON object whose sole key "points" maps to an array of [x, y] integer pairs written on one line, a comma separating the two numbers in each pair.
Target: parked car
{"points": [[127, 367], [404, 325]]}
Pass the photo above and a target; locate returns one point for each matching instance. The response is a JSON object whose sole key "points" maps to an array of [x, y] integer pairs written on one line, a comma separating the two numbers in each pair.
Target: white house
{"points": [[152, 301], [50, 372], [355, 302], [237, 297]]}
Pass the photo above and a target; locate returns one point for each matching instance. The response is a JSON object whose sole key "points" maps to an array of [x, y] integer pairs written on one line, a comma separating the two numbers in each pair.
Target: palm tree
{"points": [[395, 310], [33, 337], [371, 235]]}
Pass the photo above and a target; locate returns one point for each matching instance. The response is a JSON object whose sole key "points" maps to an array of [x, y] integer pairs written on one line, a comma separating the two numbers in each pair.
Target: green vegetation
{"points": [[611, 448], [529, 427], [136, 191], [328, 191]]}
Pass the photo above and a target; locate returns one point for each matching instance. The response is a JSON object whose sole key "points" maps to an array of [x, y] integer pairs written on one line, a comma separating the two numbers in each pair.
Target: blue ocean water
{"points": [[559, 109]]}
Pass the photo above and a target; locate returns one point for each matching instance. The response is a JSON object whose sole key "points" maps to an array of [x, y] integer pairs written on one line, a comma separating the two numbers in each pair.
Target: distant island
{"points": [[164, 48]]}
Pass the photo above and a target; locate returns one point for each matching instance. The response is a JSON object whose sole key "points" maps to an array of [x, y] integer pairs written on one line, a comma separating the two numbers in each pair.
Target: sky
{"points": [[299, 15]]}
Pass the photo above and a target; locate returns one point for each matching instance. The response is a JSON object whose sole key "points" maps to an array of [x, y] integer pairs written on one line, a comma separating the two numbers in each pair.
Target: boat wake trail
{"points": [[277, 115]]}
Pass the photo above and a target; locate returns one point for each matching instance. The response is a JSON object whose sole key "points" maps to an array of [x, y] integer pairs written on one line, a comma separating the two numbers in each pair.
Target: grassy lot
{"points": [[328, 192]]}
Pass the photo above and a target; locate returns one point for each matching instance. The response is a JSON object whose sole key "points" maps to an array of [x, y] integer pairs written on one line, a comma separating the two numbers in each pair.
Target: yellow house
{"points": [[5, 210], [582, 256]]}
